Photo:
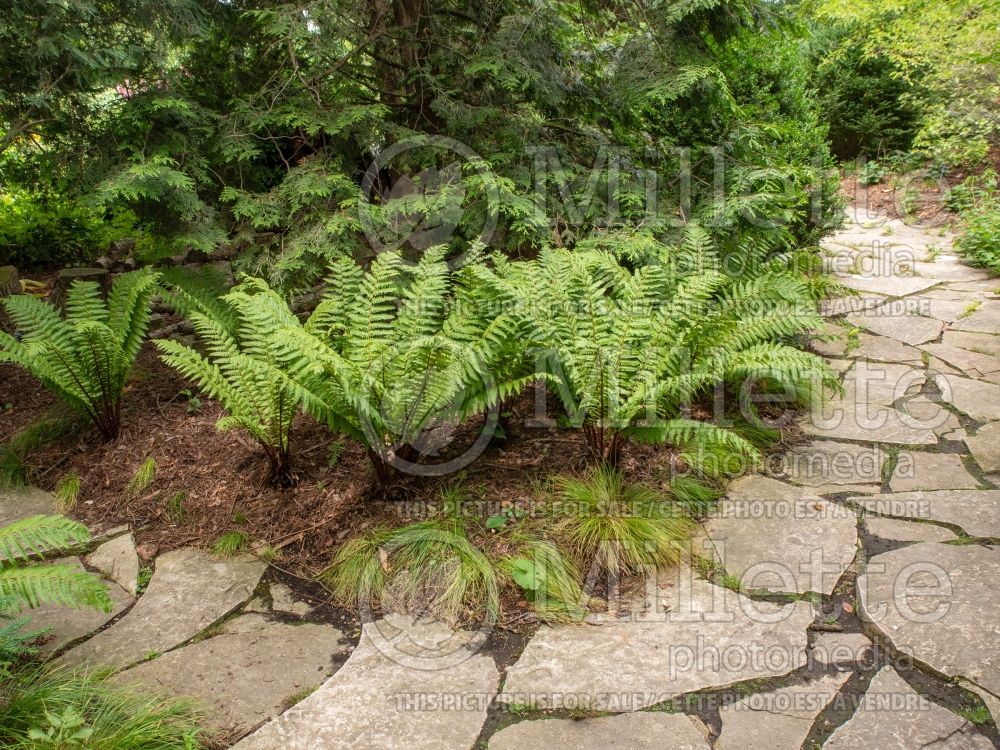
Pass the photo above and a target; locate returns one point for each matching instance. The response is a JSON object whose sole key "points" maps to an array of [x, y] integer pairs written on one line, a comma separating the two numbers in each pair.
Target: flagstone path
{"points": [[854, 603]]}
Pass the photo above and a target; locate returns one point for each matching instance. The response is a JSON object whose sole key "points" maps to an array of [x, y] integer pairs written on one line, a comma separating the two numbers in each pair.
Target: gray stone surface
{"points": [[983, 343], [986, 319], [985, 447], [974, 397], [282, 601], [925, 413], [22, 502], [781, 538], [839, 649], [963, 359], [659, 652], [828, 466], [635, 731], [117, 560], [975, 511], [189, 591], [893, 716], [842, 305], [933, 601], [892, 529], [885, 349], [778, 719], [416, 687], [68, 624], [910, 329], [892, 286], [245, 674], [920, 470]]}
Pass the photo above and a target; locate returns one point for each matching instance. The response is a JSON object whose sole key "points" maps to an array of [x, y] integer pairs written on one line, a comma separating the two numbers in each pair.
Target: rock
{"points": [[947, 310], [977, 399], [963, 359], [932, 602], [66, 277], [986, 319], [975, 511], [686, 635], [985, 447], [842, 305], [839, 649], [917, 470], [925, 413], [834, 467], [282, 601], [17, 503], [147, 552], [68, 624], [893, 716], [885, 349], [983, 343], [635, 731], [894, 530], [189, 591], [246, 674], [954, 271], [910, 329], [781, 538], [10, 283], [891, 286], [864, 411], [117, 560], [390, 695], [778, 719], [833, 342]]}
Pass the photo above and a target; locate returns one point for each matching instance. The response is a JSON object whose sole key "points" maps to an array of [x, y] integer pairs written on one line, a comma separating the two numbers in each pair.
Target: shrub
{"points": [[240, 367], [629, 349], [871, 173], [84, 358], [393, 354], [979, 240], [624, 528], [36, 230]]}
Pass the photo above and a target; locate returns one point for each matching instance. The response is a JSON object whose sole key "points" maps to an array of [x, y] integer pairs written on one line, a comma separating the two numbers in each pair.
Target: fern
{"points": [[240, 367], [84, 358], [630, 350], [34, 585]]}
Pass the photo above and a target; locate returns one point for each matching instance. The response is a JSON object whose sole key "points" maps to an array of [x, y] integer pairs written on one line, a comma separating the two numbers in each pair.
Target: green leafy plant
{"points": [[627, 350], [46, 709], [31, 585], [142, 479], [391, 356], [230, 543], [84, 358], [67, 491], [240, 367], [871, 173], [979, 241], [624, 528]]}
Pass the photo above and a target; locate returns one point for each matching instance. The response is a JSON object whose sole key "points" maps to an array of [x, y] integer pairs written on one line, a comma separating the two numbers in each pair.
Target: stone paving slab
{"points": [[828, 467], [777, 720], [963, 359], [885, 349], [68, 624], [23, 502], [975, 511], [117, 560], [189, 591], [983, 343], [635, 731], [985, 447], [244, 675], [890, 286], [932, 601], [661, 651], [412, 687], [920, 470], [840, 649], [974, 397], [894, 530], [781, 538], [910, 329], [931, 415], [893, 716], [986, 318]]}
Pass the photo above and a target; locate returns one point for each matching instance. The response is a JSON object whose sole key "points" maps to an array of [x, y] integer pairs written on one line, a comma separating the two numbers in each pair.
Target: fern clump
{"points": [[243, 333], [628, 351], [86, 356], [399, 355]]}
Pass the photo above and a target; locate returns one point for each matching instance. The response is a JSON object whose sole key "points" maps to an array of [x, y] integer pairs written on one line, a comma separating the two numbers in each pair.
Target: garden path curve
{"points": [[854, 599]]}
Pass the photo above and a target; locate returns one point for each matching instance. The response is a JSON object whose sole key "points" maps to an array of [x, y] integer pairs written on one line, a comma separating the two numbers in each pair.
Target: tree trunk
{"points": [[9, 282]]}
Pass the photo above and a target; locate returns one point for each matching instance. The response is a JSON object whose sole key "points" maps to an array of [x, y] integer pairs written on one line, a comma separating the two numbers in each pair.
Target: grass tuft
{"points": [[67, 491], [142, 478], [230, 543]]}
